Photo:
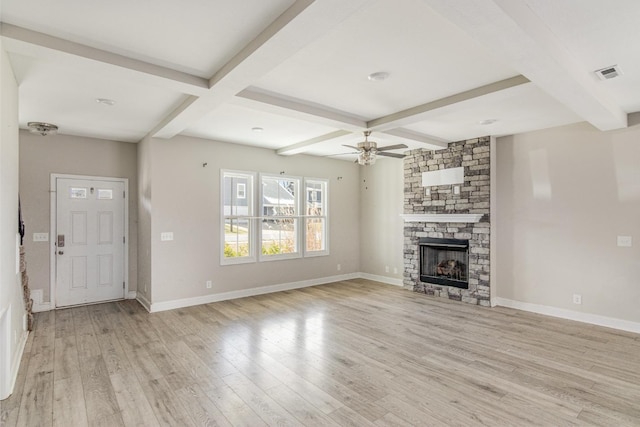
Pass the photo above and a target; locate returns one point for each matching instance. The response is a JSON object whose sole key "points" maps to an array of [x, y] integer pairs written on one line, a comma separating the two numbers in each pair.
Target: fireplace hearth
{"points": [[444, 262]]}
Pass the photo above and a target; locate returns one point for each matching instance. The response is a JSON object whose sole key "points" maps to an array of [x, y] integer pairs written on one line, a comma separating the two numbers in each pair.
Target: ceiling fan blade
{"points": [[392, 147], [351, 146], [397, 156]]}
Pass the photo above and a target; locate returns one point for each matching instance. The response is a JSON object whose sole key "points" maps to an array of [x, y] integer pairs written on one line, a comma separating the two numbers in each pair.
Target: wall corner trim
{"points": [[144, 302], [15, 365], [594, 319]]}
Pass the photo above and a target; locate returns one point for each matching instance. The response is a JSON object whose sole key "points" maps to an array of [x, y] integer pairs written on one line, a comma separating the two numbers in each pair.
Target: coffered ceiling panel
{"points": [[426, 57], [66, 96], [194, 36]]}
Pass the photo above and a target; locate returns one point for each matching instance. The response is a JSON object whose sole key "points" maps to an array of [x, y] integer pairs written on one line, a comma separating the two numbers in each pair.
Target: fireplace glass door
{"points": [[444, 262]]}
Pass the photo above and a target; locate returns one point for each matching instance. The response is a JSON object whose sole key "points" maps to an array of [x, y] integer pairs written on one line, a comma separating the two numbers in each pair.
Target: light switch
{"points": [[624, 241], [40, 237], [166, 236]]}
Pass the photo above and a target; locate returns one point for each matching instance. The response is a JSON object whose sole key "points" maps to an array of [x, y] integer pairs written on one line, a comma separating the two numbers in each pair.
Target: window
{"points": [[292, 219], [279, 235], [315, 217], [241, 192], [237, 212]]}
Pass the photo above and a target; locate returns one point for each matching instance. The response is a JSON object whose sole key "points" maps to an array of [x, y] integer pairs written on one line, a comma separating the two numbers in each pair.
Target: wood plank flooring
{"points": [[352, 353]]}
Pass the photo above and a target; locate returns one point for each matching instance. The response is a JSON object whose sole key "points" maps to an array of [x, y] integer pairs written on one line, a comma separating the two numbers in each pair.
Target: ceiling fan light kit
{"points": [[368, 150]]}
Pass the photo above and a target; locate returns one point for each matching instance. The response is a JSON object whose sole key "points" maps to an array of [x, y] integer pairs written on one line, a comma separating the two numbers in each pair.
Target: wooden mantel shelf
{"points": [[468, 218]]}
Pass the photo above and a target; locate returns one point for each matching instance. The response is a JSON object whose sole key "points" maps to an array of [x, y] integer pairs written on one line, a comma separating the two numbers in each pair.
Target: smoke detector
{"points": [[608, 72], [42, 129]]}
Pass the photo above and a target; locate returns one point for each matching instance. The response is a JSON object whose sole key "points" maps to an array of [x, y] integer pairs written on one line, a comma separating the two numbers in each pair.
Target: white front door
{"points": [[90, 230]]}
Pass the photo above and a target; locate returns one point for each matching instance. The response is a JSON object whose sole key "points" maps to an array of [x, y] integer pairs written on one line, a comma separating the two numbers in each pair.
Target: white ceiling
{"points": [[298, 69]]}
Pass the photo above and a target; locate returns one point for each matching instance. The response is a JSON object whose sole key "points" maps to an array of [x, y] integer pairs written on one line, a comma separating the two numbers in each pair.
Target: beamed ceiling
{"points": [[299, 69]]}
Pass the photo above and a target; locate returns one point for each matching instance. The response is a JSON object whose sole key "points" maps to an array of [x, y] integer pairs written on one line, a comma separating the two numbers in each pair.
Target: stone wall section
{"points": [[474, 156]]}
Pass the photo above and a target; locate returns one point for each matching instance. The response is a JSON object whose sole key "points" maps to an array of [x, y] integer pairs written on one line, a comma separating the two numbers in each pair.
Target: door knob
{"points": [[60, 252]]}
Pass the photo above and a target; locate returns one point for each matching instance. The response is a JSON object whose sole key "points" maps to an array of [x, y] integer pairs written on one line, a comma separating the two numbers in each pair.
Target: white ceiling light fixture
{"points": [[378, 77], [106, 101], [42, 129]]}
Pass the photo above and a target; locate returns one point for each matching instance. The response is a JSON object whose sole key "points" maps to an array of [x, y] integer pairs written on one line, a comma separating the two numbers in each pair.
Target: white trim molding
{"points": [[459, 218], [206, 299], [594, 319], [382, 279]]}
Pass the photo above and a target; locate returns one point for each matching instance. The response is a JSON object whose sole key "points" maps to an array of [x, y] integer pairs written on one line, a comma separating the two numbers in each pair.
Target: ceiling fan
{"points": [[368, 150]]}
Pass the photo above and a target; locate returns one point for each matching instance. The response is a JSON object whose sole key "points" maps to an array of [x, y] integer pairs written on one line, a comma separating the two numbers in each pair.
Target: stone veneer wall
{"points": [[474, 156]]}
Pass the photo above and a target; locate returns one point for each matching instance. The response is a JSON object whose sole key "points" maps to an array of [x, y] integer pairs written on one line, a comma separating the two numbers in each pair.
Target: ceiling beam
{"points": [[301, 24], [40, 45], [430, 143], [421, 112], [273, 103], [512, 30], [301, 147]]}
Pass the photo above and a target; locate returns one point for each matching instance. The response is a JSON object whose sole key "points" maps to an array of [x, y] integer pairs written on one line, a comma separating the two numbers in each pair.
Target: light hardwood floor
{"points": [[350, 353]]}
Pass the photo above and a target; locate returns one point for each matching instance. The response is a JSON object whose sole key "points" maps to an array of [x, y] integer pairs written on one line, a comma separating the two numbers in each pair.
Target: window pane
{"points": [[236, 237], [278, 196], [279, 236], [236, 201], [315, 232], [315, 198]]}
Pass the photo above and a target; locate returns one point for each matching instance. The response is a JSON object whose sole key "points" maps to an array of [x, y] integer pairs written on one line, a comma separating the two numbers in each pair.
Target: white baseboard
{"points": [[382, 279], [206, 299], [131, 295], [594, 319]]}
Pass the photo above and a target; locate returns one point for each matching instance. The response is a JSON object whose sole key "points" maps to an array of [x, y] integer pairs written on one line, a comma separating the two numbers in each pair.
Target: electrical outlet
{"points": [[339, 267], [208, 284], [166, 236], [577, 299], [386, 268]]}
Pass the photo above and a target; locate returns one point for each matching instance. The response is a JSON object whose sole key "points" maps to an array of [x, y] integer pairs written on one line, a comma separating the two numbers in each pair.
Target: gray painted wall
{"points": [[64, 154], [381, 227], [564, 195], [186, 201]]}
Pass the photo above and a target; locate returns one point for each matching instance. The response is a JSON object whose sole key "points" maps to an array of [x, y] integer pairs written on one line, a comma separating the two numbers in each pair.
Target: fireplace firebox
{"points": [[444, 262]]}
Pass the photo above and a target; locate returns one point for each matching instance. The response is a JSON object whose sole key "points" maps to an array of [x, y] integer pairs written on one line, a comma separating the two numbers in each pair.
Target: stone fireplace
{"points": [[447, 229]]}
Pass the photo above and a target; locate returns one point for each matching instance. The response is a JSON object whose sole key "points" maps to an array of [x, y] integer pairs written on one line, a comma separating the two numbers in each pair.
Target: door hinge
{"points": [[122, 285], [123, 239], [123, 195]]}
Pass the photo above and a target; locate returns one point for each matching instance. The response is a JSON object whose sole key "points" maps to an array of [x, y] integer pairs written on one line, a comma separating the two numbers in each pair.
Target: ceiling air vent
{"points": [[608, 72]]}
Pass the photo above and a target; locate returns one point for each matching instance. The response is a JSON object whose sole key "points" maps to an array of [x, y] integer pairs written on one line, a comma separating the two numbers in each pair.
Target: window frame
{"points": [[250, 217], [325, 205]]}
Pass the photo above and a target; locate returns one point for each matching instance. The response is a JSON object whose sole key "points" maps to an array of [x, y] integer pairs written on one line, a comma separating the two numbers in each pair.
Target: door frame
{"points": [[53, 191]]}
